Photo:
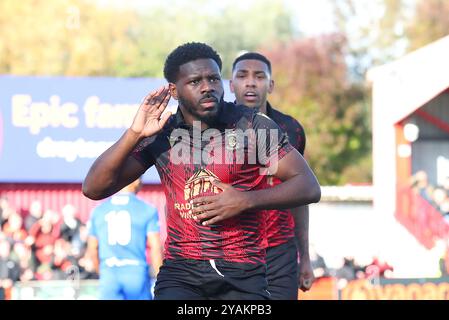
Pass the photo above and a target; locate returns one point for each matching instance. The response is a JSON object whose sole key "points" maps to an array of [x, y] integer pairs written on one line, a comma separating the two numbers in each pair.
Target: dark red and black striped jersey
{"points": [[184, 165], [280, 223]]}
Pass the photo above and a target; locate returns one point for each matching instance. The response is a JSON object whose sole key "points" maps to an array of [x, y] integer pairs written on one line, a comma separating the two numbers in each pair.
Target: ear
{"points": [[173, 90], [231, 86], [271, 86]]}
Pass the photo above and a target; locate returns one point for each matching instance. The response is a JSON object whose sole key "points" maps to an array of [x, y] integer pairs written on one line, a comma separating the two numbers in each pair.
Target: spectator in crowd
{"points": [[4, 210], [44, 271], [444, 208], [350, 270], [34, 215], [47, 249], [87, 268], [446, 184], [22, 255], [319, 266], [61, 261], [79, 242], [42, 236], [420, 183], [13, 228], [446, 215], [70, 225], [9, 269], [5, 215], [439, 197], [380, 267], [444, 260]]}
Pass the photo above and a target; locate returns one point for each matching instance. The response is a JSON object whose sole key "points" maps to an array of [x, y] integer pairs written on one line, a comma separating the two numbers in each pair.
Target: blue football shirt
{"points": [[121, 225]]}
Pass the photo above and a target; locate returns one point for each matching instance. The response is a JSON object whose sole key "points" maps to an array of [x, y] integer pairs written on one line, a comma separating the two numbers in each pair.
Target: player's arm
{"points": [[301, 218], [154, 243], [116, 168], [305, 276], [92, 252], [299, 187], [300, 215]]}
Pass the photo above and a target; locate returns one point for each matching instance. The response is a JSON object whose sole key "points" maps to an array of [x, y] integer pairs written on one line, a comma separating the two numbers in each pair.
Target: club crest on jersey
{"points": [[232, 142], [172, 140]]}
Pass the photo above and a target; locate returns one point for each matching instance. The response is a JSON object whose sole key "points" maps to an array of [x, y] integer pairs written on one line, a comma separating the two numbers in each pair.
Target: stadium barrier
{"points": [[323, 289], [396, 289], [56, 290]]}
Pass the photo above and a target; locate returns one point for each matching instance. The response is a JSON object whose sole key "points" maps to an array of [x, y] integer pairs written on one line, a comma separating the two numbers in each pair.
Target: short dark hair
{"points": [[252, 56], [185, 53]]}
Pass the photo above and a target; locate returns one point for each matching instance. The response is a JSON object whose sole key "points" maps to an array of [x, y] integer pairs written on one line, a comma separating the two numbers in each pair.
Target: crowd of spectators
{"points": [[436, 195], [350, 269], [41, 244]]}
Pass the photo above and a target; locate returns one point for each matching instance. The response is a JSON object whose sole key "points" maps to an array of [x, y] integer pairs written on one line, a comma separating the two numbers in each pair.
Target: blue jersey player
{"points": [[119, 231]]}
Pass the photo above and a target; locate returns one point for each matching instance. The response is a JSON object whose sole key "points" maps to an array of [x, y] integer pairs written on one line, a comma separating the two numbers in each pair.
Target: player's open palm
{"points": [[149, 119]]}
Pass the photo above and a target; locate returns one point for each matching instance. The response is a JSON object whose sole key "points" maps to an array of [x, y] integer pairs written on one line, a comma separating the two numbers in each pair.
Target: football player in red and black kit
{"points": [[251, 83], [214, 187]]}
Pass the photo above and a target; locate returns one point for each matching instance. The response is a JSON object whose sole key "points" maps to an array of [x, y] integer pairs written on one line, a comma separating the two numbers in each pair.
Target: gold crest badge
{"points": [[199, 184]]}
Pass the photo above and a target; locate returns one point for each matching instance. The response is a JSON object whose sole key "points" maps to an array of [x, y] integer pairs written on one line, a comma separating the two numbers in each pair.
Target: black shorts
{"points": [[210, 280], [282, 271]]}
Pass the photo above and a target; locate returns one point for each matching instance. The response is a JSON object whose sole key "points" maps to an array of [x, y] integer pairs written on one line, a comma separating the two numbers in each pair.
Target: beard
{"points": [[209, 117]]}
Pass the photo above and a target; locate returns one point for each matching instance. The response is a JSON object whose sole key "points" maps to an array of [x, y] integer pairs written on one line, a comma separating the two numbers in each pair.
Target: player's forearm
{"points": [[156, 255], [96, 264], [297, 191], [92, 253], [102, 179], [301, 217], [156, 260]]}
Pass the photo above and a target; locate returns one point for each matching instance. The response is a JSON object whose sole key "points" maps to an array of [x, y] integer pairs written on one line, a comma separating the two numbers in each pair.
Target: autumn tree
{"points": [[79, 37], [430, 23], [375, 30], [312, 84]]}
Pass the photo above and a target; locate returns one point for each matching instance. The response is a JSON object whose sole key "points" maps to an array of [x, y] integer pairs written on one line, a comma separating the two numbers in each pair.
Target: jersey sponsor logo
{"points": [[197, 185]]}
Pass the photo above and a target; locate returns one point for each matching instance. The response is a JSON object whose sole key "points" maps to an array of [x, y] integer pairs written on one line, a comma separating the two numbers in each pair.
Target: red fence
{"points": [[424, 221], [56, 196]]}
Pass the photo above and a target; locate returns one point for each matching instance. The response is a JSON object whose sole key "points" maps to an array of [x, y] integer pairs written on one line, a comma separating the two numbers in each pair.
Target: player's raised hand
{"points": [[149, 119]]}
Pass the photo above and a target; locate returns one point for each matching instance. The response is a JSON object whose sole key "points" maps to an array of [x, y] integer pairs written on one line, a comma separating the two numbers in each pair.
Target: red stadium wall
{"points": [[422, 220], [56, 196]]}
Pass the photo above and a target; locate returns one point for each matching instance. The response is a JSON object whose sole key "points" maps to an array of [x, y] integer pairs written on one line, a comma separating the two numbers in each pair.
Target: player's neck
{"points": [[263, 108]]}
